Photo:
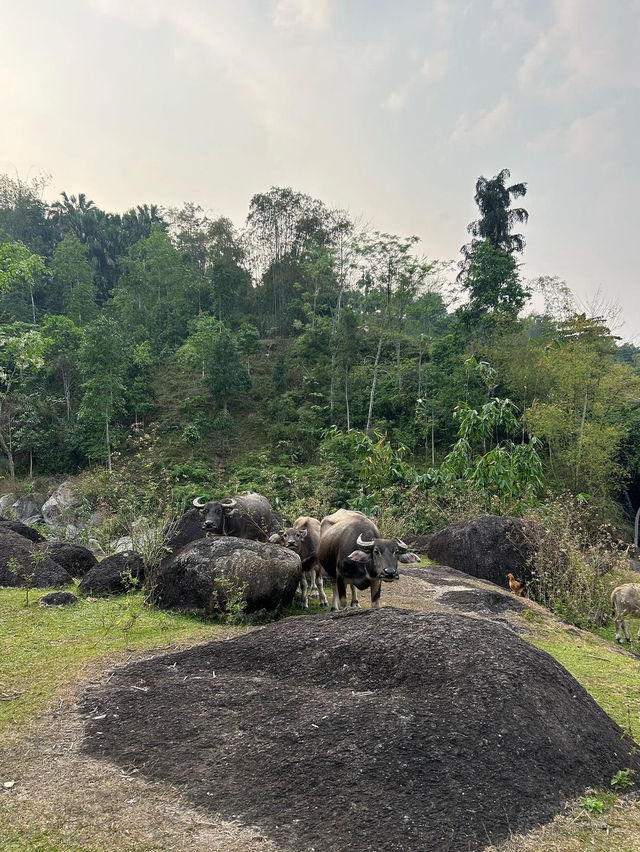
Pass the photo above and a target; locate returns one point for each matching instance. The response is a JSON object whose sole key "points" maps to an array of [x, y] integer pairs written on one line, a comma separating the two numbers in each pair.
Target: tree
{"points": [[104, 358], [488, 270], [18, 265], [493, 283], [73, 277], [63, 340], [393, 275], [497, 218], [211, 349], [21, 353]]}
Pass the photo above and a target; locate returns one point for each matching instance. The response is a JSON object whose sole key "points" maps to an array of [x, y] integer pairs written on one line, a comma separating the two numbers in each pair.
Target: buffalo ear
{"points": [[303, 532], [359, 556], [276, 538]]}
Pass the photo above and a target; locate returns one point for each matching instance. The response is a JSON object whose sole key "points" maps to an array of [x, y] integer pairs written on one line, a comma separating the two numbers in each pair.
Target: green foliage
{"points": [[228, 599], [571, 573], [623, 779], [592, 804]]}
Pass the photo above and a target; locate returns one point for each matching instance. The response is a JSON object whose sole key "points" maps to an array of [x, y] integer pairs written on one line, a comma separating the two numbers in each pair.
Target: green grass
{"points": [[45, 650], [612, 678]]}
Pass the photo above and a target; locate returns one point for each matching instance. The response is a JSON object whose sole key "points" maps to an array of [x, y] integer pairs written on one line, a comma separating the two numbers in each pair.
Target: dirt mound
{"points": [[490, 547], [74, 558], [21, 564], [364, 730]]}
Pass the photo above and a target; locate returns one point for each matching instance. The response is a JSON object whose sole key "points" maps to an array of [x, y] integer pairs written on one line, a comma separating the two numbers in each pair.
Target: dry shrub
{"points": [[569, 573]]}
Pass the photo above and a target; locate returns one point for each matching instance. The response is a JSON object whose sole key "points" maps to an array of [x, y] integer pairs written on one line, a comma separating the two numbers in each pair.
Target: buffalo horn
{"points": [[401, 545], [229, 503], [365, 545], [199, 502]]}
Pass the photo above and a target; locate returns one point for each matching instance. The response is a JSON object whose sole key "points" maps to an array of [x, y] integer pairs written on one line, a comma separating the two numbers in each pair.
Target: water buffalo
{"points": [[625, 601], [303, 538], [248, 516], [352, 553]]}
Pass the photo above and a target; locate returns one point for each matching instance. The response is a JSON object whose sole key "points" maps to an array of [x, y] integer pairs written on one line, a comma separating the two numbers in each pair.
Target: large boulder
{"points": [[6, 502], [60, 509], [187, 529], [23, 564], [422, 731], [22, 529], [74, 558], [28, 508], [207, 573], [114, 575], [489, 547]]}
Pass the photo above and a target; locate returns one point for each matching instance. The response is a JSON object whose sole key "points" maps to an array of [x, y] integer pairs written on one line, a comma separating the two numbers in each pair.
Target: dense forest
{"points": [[305, 354]]}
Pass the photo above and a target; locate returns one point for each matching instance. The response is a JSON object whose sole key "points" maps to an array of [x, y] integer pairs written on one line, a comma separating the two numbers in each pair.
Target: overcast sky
{"points": [[388, 108]]}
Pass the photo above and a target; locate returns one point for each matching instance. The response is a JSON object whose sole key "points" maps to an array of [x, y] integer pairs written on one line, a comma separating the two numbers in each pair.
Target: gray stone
{"points": [[204, 574], [6, 501], [28, 507], [59, 509]]}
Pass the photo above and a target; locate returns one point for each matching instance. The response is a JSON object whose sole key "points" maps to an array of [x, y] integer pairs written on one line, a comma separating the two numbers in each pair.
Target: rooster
{"points": [[516, 586]]}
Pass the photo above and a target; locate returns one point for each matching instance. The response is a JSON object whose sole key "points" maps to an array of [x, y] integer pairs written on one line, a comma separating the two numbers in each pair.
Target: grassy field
{"points": [[44, 651]]}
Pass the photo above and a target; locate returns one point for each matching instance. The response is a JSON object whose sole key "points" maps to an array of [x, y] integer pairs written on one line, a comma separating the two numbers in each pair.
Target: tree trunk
{"points": [[30, 464], [33, 307], [580, 437], [66, 386], [106, 421], [9, 454], [346, 396], [398, 364], [433, 446], [374, 382]]}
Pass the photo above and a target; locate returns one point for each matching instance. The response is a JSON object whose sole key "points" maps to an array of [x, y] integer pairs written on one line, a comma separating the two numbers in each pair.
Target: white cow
{"points": [[625, 601]]}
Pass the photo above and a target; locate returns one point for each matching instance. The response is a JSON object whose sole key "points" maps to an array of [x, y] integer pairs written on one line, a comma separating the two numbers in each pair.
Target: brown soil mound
{"points": [[366, 730]]}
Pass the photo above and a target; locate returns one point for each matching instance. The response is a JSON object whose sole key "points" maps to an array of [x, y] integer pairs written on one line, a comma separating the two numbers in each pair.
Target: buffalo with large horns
{"points": [[247, 516], [353, 554]]}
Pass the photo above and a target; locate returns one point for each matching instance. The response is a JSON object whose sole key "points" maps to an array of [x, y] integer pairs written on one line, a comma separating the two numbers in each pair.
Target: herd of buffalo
{"points": [[346, 545]]}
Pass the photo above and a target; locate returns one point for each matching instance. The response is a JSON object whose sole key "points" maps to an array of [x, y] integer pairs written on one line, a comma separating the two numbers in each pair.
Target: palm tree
{"points": [[497, 219]]}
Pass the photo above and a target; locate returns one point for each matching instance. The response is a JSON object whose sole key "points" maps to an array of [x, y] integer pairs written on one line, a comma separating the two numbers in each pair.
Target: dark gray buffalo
{"points": [[353, 554], [303, 538], [248, 516]]}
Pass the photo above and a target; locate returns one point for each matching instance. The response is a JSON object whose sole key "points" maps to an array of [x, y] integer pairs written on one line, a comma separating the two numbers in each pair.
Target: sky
{"points": [[390, 109]]}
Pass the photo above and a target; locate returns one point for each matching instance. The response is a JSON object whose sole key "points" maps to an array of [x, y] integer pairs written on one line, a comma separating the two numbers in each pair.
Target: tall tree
{"points": [[104, 358], [497, 217], [73, 279], [488, 270]]}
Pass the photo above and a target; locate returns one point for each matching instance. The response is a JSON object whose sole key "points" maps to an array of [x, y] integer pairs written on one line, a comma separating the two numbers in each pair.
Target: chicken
{"points": [[516, 586]]}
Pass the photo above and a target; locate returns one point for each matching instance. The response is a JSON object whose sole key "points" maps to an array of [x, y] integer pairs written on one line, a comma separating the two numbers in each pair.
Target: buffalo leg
{"points": [[335, 595], [376, 588], [354, 596], [320, 587], [305, 590], [339, 595]]}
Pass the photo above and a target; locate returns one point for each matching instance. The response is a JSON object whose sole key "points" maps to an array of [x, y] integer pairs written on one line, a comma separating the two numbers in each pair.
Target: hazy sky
{"points": [[388, 108]]}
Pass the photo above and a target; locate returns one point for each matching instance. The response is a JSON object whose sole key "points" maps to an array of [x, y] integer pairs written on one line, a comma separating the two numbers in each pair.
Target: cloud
{"points": [[261, 84], [586, 137], [302, 14], [433, 68], [474, 129], [589, 45]]}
